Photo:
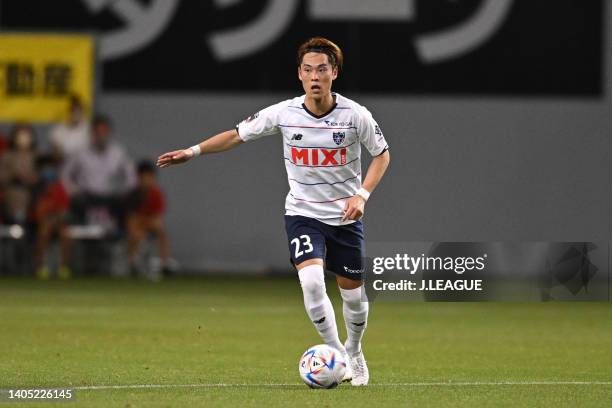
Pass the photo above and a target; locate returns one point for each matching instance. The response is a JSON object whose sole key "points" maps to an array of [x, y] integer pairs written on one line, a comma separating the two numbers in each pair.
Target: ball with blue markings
{"points": [[322, 366]]}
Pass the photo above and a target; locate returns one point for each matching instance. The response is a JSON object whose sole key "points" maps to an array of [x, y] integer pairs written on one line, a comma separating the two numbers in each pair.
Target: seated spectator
{"points": [[50, 212], [18, 174], [3, 143], [99, 176], [72, 136], [145, 216]]}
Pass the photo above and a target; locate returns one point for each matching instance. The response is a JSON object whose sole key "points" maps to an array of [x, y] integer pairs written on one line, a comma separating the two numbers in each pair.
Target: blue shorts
{"points": [[341, 247]]}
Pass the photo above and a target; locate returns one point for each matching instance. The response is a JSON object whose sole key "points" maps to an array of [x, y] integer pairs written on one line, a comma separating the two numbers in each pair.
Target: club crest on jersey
{"points": [[338, 137]]}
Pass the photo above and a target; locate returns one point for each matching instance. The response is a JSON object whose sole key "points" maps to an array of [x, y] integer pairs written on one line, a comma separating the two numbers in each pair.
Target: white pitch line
{"points": [[414, 384]]}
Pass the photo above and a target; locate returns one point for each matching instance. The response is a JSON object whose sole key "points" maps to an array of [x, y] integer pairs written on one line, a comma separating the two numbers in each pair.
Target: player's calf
{"points": [[355, 311], [318, 306]]}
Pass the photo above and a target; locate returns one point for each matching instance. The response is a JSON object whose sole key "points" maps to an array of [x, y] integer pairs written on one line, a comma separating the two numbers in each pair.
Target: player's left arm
{"points": [[355, 206]]}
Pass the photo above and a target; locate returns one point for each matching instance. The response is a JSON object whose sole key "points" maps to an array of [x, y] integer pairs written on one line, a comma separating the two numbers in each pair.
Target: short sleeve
{"points": [[370, 134], [260, 124]]}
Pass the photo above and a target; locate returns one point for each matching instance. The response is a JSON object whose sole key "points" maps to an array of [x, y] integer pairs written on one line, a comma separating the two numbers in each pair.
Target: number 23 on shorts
{"points": [[302, 245]]}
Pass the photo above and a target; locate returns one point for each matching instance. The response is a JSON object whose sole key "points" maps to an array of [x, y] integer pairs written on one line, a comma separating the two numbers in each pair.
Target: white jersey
{"points": [[322, 153]]}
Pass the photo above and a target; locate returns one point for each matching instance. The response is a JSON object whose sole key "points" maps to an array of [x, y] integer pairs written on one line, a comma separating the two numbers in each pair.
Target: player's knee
{"points": [[354, 299], [312, 280], [313, 291], [157, 226]]}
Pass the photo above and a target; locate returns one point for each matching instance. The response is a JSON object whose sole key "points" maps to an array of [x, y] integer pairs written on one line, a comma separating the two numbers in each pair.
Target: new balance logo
{"points": [[318, 156], [321, 320], [297, 136], [359, 324]]}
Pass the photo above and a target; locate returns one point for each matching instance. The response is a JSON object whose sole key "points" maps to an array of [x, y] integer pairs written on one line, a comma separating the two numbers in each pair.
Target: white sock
{"points": [[318, 306], [355, 317]]}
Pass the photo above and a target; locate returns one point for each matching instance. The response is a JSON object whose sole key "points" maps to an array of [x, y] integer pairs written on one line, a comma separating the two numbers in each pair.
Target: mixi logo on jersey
{"points": [[318, 156]]}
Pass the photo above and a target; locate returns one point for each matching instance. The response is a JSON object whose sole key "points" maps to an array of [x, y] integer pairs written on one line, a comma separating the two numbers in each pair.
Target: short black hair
{"points": [[75, 101], [100, 119], [146, 166]]}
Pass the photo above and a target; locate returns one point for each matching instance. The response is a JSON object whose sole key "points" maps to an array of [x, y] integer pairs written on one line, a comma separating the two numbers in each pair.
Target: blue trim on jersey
{"points": [[319, 202], [318, 127], [329, 184], [384, 150], [320, 147]]}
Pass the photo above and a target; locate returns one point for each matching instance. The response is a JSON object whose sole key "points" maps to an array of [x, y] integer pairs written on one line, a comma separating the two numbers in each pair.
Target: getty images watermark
{"points": [[488, 271], [410, 265]]}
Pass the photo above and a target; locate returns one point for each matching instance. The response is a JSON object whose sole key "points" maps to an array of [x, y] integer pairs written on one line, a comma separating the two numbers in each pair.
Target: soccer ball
{"points": [[322, 366]]}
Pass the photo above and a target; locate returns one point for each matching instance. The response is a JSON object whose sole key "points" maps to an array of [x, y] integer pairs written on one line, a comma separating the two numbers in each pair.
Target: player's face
{"points": [[316, 74]]}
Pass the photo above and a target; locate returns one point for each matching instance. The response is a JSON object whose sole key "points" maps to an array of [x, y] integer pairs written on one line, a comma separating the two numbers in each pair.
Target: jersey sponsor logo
{"points": [[314, 156], [338, 124], [338, 137]]}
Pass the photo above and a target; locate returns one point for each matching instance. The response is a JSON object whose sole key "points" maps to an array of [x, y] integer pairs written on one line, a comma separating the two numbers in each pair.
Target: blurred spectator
{"points": [[3, 146], [145, 218], [3, 143], [50, 211], [18, 174], [99, 176], [72, 136]]}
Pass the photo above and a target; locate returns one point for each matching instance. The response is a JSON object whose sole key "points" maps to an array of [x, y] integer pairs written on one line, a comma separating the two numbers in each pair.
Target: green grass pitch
{"points": [[236, 342]]}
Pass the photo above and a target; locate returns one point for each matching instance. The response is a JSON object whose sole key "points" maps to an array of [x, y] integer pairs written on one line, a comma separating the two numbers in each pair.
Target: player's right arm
{"points": [[218, 143], [262, 123]]}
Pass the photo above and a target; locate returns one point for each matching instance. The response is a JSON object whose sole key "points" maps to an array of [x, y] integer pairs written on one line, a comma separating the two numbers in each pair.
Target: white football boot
{"points": [[358, 365], [348, 374]]}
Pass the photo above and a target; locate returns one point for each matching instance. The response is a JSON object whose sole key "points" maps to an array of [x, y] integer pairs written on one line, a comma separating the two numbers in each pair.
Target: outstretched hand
{"points": [[174, 157]]}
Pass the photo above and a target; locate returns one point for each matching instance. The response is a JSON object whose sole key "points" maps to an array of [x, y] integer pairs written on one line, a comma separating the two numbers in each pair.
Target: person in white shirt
{"points": [[322, 134], [72, 136], [100, 175]]}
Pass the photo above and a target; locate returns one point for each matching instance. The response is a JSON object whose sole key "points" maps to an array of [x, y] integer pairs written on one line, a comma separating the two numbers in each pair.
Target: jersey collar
{"points": [[324, 114]]}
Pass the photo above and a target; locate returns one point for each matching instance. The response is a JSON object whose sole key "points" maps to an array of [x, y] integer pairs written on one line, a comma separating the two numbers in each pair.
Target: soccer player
{"points": [[322, 133]]}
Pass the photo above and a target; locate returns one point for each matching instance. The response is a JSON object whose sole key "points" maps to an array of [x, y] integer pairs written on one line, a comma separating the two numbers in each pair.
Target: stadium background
{"points": [[507, 140], [498, 132]]}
